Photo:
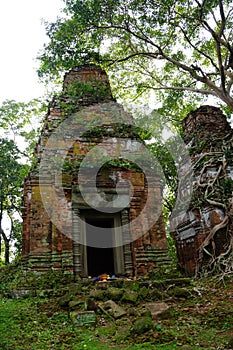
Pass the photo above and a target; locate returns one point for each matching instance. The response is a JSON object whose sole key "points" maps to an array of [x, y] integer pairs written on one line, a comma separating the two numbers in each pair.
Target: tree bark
{"points": [[7, 247]]}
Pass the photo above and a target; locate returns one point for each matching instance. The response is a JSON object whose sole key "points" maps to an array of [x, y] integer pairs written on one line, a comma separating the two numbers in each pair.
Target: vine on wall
{"points": [[213, 187]]}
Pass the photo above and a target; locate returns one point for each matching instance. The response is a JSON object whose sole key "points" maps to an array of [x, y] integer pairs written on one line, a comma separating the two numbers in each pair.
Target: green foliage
{"points": [[16, 235], [21, 122], [92, 90], [77, 92], [226, 186], [162, 152], [123, 164], [228, 154], [19, 127], [12, 174], [15, 277], [176, 49]]}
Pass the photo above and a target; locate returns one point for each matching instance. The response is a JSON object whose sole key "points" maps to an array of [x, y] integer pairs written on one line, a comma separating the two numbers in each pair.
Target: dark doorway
{"points": [[100, 260]]}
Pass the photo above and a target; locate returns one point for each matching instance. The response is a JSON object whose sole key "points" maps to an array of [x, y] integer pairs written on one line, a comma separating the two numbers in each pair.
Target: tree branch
{"points": [[223, 18], [180, 88], [196, 49]]}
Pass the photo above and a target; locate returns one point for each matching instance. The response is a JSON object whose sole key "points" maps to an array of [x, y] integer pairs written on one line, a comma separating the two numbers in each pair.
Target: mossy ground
{"points": [[203, 319]]}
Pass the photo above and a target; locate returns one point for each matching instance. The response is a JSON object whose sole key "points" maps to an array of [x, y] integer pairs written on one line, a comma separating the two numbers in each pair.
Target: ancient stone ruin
{"points": [[204, 232], [79, 213], [92, 200]]}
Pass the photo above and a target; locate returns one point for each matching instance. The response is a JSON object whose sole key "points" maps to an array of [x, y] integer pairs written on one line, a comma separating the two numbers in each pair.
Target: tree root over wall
{"points": [[215, 190]]}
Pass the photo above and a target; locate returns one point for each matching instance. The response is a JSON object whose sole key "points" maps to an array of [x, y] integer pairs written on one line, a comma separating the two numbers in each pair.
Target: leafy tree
{"points": [[178, 49], [12, 174], [21, 122], [176, 52], [19, 127]]}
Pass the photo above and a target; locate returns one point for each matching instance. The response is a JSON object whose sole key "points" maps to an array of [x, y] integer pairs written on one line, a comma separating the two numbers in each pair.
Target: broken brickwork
{"points": [[53, 234], [203, 232]]}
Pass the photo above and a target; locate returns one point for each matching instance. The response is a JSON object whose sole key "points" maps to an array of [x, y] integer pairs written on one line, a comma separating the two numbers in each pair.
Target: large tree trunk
{"points": [[7, 246]]}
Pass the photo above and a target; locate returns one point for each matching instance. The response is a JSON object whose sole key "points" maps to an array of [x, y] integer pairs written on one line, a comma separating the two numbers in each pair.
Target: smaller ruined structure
{"points": [[204, 231], [79, 213]]}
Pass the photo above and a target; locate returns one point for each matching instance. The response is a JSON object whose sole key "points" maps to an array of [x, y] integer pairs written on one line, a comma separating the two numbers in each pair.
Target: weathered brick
{"points": [[40, 235]]}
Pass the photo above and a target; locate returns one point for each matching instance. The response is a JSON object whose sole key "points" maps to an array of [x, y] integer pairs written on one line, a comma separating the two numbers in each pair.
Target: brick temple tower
{"points": [[77, 194], [204, 230]]}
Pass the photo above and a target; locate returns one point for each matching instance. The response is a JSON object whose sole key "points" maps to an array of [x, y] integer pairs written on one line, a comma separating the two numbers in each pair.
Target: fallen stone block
{"points": [[158, 310], [130, 296], [83, 318], [97, 294], [112, 309], [114, 293], [142, 325]]}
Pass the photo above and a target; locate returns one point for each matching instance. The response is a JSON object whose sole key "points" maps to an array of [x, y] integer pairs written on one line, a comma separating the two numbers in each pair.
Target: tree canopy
{"points": [[179, 49]]}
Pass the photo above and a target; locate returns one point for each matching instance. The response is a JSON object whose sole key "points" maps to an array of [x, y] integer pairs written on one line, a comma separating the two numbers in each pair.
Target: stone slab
{"points": [[157, 309], [114, 310], [83, 318]]}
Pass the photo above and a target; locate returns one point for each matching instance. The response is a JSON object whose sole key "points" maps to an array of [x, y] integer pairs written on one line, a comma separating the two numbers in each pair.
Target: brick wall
{"points": [[46, 244], [208, 136]]}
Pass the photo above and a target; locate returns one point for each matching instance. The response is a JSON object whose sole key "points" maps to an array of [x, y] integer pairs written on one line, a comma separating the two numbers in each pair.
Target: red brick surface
{"points": [[44, 245]]}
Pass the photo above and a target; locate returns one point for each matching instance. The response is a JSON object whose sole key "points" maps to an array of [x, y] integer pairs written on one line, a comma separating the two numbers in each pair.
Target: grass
{"points": [[204, 320]]}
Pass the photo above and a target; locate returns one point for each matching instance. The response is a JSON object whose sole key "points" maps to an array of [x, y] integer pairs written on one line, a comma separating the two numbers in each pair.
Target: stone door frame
{"points": [[123, 260], [118, 255]]}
